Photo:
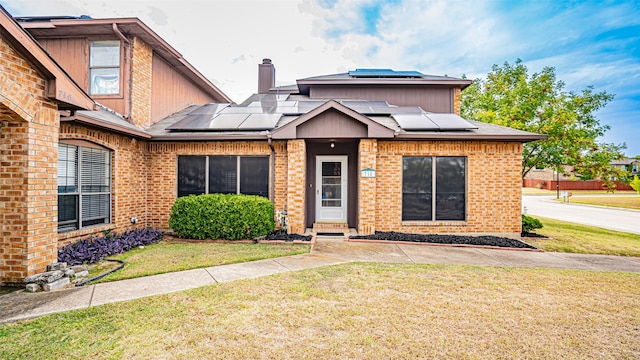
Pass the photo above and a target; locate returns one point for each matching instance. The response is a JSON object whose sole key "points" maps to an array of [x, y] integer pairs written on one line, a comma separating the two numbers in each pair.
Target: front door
{"points": [[331, 188]]}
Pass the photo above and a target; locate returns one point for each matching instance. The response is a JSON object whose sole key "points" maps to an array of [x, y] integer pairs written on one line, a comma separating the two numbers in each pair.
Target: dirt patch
{"points": [[484, 240]]}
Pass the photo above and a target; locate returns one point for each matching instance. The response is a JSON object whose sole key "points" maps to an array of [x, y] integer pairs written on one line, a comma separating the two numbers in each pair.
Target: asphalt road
{"points": [[605, 217]]}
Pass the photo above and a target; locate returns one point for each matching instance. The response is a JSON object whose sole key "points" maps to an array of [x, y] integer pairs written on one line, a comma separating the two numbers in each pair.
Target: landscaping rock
{"points": [[45, 277], [57, 266], [57, 284], [447, 239], [69, 272], [80, 274], [32, 288]]}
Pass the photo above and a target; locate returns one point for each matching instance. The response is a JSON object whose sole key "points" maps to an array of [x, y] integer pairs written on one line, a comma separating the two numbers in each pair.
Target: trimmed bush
{"points": [[94, 249], [221, 216], [529, 224]]}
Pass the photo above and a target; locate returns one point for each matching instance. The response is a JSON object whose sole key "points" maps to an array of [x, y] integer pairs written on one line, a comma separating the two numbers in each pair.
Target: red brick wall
{"points": [[493, 186], [162, 172], [28, 169], [128, 179]]}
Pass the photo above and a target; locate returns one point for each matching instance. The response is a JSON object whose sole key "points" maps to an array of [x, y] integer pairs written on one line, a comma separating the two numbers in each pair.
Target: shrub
{"points": [[635, 184], [94, 249], [221, 216], [529, 224]]}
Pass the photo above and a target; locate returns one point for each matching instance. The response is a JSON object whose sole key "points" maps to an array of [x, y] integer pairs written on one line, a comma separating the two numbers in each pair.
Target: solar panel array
{"points": [[383, 73], [265, 114]]}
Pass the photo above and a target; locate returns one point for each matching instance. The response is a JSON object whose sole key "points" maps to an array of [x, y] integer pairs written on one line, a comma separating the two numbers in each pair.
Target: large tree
{"points": [[539, 104]]}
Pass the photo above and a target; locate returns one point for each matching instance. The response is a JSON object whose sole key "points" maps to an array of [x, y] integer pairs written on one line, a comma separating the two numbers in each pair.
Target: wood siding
{"points": [[73, 56], [331, 124], [432, 99], [171, 91]]}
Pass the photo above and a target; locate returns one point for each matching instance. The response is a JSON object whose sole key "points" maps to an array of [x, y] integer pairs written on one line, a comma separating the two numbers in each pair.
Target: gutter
{"points": [[127, 55]]}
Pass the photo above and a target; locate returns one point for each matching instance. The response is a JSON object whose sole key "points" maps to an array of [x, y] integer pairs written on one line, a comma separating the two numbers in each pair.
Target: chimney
{"points": [[266, 76]]}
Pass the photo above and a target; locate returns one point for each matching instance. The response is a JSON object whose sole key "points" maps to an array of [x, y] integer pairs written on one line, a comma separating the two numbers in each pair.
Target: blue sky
{"points": [[588, 42]]}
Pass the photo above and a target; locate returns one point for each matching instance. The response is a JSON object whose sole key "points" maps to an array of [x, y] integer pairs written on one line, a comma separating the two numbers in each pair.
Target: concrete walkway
{"points": [[626, 220], [326, 251]]}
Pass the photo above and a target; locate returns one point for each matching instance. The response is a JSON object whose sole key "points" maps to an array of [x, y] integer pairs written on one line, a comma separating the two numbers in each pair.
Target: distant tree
{"points": [[539, 104], [635, 184]]}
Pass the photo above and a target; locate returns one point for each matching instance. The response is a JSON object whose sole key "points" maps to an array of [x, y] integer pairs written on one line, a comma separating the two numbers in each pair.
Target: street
{"points": [[605, 217]]}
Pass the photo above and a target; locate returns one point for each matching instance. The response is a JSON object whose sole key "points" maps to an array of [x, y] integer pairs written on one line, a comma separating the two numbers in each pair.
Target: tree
{"points": [[539, 104]]}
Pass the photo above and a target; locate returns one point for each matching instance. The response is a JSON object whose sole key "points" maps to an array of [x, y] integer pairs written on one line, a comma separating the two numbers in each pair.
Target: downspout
{"points": [[127, 57], [273, 168]]}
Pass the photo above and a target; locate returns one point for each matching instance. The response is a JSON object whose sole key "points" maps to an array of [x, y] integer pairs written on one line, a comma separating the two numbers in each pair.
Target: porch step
{"points": [[330, 227]]}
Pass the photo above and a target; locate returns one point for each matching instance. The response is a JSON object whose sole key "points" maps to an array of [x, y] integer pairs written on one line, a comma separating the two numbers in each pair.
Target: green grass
{"points": [[536, 191], [167, 257], [626, 202], [357, 311], [576, 238]]}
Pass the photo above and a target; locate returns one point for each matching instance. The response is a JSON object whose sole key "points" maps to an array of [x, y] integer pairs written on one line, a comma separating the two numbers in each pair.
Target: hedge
{"points": [[222, 216]]}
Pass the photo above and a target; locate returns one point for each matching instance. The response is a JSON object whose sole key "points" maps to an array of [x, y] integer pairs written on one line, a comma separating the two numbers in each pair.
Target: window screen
{"points": [[191, 175], [416, 188]]}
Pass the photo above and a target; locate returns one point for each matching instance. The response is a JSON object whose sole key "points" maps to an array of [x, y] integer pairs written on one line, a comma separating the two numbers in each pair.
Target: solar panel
{"points": [[227, 121], [415, 122], [259, 122], [450, 122], [383, 73], [208, 109]]}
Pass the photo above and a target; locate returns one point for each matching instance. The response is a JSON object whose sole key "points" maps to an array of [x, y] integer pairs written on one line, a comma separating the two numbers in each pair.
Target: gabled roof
{"points": [[60, 87], [380, 77], [43, 27], [373, 129]]}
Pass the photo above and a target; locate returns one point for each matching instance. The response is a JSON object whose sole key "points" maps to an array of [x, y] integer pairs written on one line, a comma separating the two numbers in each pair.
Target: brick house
{"points": [[371, 149]]}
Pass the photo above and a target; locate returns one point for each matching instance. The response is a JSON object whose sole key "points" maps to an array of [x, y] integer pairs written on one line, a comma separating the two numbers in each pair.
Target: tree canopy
{"points": [[538, 103]]}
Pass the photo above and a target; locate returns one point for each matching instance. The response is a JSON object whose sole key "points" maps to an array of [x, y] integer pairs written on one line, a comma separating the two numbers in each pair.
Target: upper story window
{"points": [[104, 67]]}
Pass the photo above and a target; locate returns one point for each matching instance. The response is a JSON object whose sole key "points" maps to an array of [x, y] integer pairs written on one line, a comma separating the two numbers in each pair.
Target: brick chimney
{"points": [[266, 76]]}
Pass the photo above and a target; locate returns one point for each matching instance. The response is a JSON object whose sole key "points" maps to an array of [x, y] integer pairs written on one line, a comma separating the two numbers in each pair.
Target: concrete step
{"points": [[331, 227]]}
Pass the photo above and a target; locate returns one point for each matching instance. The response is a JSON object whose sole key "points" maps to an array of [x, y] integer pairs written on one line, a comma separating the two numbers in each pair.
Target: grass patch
{"points": [[536, 191], [165, 257], [575, 238], [626, 202], [358, 311]]}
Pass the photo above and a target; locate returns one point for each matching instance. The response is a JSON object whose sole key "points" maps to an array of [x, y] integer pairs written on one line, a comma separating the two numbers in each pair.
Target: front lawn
{"points": [[626, 202], [575, 238], [167, 256], [357, 311]]}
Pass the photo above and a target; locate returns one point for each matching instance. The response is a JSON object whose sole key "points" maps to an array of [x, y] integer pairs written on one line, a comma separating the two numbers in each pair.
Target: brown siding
{"points": [[331, 124], [172, 92], [73, 56], [431, 99]]}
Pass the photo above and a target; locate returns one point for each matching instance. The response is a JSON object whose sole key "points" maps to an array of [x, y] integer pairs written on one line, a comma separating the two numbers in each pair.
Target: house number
{"points": [[367, 173]]}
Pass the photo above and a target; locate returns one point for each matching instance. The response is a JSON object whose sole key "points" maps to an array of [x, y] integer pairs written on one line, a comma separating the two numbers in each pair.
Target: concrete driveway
{"points": [[604, 217]]}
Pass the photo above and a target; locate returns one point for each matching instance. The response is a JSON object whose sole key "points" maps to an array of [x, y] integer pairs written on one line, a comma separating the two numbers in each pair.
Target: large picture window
{"points": [[84, 187], [223, 174], [433, 188], [104, 67]]}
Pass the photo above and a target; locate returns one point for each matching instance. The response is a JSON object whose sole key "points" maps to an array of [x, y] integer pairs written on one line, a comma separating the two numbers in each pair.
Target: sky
{"points": [[589, 43]]}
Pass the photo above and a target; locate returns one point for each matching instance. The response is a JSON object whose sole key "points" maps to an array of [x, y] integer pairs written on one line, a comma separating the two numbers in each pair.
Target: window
{"points": [[421, 175], [104, 67], [223, 174], [84, 187]]}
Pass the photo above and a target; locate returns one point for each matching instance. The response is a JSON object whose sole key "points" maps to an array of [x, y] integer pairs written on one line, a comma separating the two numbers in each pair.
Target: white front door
{"points": [[331, 188]]}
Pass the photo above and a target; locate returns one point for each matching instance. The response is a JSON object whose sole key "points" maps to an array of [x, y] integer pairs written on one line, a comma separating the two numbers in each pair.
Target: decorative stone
{"points": [[57, 266], [32, 288], [81, 274], [45, 277], [69, 272], [56, 284]]}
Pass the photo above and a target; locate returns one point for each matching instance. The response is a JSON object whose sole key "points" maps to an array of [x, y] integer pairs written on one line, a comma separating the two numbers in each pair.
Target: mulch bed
{"points": [[282, 235], [484, 240]]}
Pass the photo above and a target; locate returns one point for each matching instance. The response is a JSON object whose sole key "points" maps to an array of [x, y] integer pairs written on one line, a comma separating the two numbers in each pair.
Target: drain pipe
{"points": [[127, 49], [273, 168]]}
